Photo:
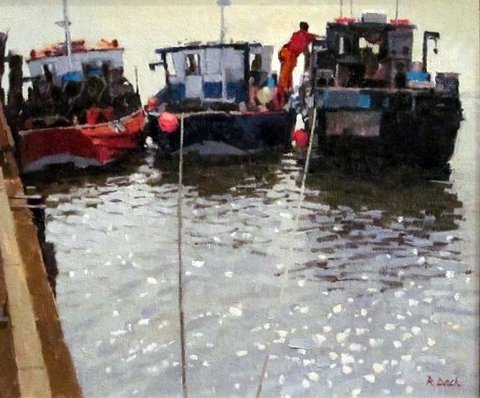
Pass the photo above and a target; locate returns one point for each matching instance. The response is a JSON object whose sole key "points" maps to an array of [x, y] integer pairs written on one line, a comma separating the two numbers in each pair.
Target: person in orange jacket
{"points": [[288, 55]]}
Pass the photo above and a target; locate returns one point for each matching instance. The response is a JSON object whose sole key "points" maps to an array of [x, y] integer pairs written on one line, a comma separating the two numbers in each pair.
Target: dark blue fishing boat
{"points": [[226, 94], [373, 102]]}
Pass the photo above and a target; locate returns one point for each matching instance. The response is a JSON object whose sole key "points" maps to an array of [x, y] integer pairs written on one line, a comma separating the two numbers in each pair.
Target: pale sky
{"points": [[141, 26]]}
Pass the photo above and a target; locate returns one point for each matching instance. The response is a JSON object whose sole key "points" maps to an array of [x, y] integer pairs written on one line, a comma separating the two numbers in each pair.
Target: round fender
{"points": [[168, 122], [300, 138]]}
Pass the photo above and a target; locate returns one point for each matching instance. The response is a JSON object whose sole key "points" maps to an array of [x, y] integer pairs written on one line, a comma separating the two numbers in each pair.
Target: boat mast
{"points": [[66, 26], [222, 4], [68, 41]]}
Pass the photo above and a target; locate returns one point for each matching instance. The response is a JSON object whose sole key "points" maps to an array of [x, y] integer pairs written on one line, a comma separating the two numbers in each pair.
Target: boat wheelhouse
{"points": [[67, 81], [212, 73], [56, 65], [227, 95], [374, 100]]}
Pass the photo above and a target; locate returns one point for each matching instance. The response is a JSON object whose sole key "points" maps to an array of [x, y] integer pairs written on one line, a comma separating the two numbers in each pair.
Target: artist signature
{"points": [[441, 382]]}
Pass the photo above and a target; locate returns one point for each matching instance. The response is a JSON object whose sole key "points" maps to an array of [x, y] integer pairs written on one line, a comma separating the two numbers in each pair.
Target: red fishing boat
{"points": [[80, 108], [83, 145]]}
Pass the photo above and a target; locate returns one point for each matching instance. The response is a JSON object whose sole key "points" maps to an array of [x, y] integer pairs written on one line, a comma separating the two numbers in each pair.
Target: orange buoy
{"points": [[301, 137], [168, 122]]}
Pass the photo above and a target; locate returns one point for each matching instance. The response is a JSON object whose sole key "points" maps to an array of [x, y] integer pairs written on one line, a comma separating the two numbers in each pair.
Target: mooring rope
{"points": [[299, 204], [292, 242], [180, 263]]}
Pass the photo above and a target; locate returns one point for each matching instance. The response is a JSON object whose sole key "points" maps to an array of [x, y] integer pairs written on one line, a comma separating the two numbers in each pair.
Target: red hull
{"points": [[84, 145]]}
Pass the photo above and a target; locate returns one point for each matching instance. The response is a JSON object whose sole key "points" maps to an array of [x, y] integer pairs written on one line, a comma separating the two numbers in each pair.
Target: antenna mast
{"points": [[66, 21], [65, 24], [222, 4], [396, 10], [351, 8], [341, 8]]}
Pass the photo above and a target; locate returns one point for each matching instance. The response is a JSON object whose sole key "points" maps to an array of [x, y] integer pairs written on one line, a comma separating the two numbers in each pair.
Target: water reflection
{"points": [[377, 292], [393, 192]]}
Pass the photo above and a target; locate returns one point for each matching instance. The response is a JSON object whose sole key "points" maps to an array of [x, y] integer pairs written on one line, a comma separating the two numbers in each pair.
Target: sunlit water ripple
{"points": [[376, 299]]}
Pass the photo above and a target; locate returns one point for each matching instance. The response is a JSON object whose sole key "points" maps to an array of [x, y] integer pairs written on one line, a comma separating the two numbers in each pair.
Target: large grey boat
{"points": [[374, 101]]}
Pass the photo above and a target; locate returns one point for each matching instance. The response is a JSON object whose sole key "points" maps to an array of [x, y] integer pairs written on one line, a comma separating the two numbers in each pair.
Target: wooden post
{"points": [[15, 95], [6, 138], [3, 42]]}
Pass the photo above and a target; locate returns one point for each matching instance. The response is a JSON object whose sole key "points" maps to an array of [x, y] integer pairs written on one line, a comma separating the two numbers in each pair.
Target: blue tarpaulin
{"points": [[72, 77], [346, 99], [94, 72], [417, 76]]}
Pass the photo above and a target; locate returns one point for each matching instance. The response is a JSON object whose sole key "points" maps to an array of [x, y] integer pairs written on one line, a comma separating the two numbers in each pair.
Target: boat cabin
{"points": [[368, 53], [54, 65], [67, 82], [213, 72]]}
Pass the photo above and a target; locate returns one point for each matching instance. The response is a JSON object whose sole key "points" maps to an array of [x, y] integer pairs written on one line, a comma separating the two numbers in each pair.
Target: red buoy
{"points": [[301, 137], [168, 122]]}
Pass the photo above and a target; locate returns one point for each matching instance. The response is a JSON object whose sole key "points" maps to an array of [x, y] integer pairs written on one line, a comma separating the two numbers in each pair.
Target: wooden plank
{"points": [[8, 368], [62, 374], [32, 372]]}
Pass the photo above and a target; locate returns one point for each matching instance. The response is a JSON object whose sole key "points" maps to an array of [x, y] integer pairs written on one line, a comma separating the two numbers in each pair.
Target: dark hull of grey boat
{"points": [[398, 128], [235, 132]]}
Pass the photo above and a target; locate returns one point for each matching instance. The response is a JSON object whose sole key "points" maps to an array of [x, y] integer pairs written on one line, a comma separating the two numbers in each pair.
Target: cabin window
{"points": [[364, 44], [256, 62], [192, 64], [95, 69], [341, 45], [170, 65], [47, 70], [105, 69], [258, 76]]}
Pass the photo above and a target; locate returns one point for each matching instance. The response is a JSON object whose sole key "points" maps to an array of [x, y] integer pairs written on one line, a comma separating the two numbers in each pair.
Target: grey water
{"points": [[380, 298]]}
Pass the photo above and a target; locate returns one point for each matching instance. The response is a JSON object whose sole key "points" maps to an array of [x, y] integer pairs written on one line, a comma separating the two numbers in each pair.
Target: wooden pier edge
{"points": [[44, 364], [32, 373]]}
